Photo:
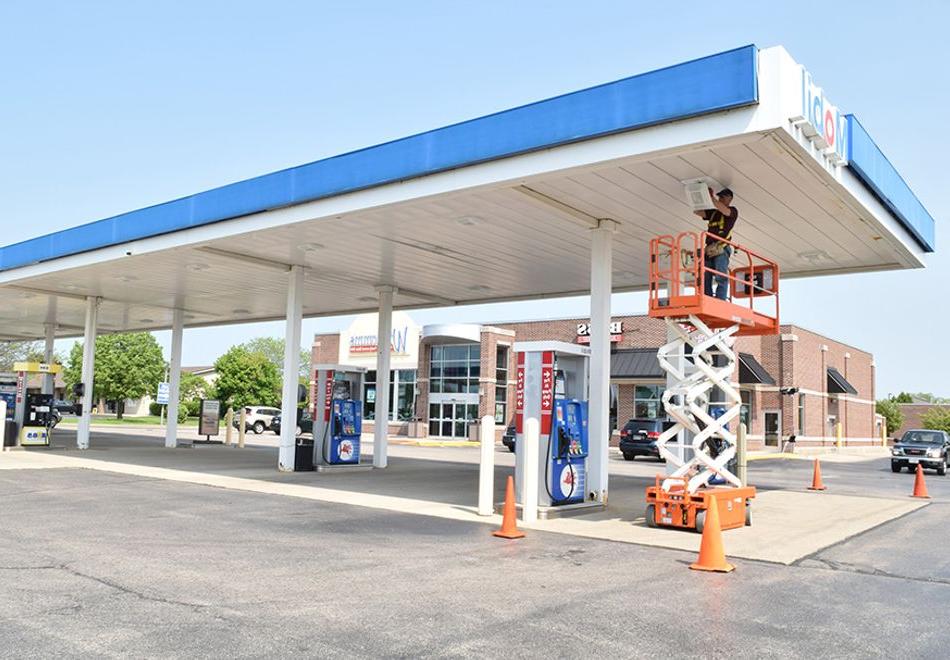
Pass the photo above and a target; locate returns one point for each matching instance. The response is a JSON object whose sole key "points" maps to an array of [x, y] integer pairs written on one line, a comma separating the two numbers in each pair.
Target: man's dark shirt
{"points": [[719, 224]]}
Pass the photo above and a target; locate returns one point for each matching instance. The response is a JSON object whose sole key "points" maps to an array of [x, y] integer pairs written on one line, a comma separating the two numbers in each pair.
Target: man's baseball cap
{"points": [[725, 192]]}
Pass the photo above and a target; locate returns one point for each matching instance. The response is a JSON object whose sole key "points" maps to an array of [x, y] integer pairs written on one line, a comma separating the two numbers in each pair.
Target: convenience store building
{"points": [[446, 376]]}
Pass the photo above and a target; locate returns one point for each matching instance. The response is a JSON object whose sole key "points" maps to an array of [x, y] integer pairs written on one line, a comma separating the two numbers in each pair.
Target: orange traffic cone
{"points": [[920, 486], [509, 527], [816, 483], [711, 555]]}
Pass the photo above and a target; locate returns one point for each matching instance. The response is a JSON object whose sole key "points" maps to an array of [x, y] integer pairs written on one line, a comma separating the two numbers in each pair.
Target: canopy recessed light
{"points": [[311, 247], [240, 310], [146, 320], [367, 299], [479, 287], [468, 220], [126, 278], [198, 267]]}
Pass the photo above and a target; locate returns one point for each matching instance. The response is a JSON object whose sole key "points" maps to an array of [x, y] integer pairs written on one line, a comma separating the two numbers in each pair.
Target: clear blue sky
{"points": [[111, 106]]}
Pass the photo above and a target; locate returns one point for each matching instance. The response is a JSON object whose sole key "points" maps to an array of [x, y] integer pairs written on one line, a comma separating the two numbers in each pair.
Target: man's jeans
{"points": [[721, 264]]}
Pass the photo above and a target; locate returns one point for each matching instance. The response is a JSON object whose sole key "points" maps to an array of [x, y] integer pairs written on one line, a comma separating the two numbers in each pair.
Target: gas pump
{"points": [[552, 388], [33, 414], [337, 416]]}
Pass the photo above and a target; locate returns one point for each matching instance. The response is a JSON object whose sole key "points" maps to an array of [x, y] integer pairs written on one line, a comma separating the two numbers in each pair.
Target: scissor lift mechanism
{"points": [[701, 361]]}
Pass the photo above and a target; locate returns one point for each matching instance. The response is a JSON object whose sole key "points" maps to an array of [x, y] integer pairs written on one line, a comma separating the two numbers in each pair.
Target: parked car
{"points": [[257, 418], [305, 425], [64, 407], [926, 447], [638, 437], [508, 439]]}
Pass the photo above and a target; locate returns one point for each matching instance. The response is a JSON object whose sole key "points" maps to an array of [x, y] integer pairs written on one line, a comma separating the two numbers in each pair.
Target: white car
{"points": [[257, 418]]}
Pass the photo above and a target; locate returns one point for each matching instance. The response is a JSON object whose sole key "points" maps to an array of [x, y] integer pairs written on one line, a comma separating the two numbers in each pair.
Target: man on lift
{"points": [[721, 221]]}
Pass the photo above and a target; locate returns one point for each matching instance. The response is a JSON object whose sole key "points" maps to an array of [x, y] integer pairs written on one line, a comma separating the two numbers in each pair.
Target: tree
{"points": [[191, 389], [273, 349], [246, 379], [18, 351], [127, 366], [903, 397], [936, 418], [927, 397], [892, 413]]}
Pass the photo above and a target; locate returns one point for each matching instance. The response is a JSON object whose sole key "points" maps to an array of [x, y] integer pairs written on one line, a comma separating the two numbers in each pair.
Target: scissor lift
{"points": [[701, 361]]}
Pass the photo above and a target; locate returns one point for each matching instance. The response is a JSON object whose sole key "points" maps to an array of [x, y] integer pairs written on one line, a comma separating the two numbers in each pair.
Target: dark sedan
{"points": [[925, 447], [305, 425], [638, 437]]}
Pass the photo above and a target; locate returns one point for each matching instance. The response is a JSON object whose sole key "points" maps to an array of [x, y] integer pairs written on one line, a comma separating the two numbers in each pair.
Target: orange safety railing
{"points": [[678, 274]]}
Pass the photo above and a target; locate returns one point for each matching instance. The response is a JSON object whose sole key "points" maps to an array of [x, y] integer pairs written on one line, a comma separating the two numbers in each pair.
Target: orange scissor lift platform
{"points": [[678, 293]]}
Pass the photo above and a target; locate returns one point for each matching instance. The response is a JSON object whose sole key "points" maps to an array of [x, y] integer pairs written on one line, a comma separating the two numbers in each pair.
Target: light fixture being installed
{"points": [[815, 257]]}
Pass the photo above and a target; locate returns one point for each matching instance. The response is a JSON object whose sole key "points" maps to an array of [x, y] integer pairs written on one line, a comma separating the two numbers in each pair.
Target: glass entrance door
{"points": [[450, 419], [773, 428]]}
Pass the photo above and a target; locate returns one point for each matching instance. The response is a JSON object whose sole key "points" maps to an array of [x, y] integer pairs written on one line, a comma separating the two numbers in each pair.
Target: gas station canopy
{"points": [[494, 209]]}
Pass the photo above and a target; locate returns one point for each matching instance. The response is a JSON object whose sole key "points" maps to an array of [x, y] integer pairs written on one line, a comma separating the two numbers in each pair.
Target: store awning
{"points": [[635, 363], [751, 371], [838, 384]]}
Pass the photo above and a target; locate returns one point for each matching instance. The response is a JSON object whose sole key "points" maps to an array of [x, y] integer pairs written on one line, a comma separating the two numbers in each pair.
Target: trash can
{"points": [[303, 456], [9, 436]]}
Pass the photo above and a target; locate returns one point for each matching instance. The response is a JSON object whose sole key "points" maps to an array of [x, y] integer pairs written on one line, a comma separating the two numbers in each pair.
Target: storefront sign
{"points": [[547, 391], [616, 332], [359, 345], [370, 343]]}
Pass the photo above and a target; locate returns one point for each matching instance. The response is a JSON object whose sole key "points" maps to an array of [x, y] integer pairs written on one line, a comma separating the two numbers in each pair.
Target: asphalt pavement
{"points": [[95, 563]]}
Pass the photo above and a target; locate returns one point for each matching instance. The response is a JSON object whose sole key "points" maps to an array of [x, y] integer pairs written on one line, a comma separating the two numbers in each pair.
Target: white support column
{"points": [[601, 286], [49, 379], [88, 370], [384, 335], [288, 408], [174, 379]]}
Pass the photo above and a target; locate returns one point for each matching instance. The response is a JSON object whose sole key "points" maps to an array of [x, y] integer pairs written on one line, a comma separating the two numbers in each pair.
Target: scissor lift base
{"points": [[680, 509]]}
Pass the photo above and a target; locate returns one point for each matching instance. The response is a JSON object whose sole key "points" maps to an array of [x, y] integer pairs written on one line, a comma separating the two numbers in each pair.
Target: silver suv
{"points": [[257, 418]]}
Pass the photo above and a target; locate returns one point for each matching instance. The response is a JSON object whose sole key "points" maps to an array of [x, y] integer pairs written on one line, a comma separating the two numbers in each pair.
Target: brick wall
{"points": [[325, 349], [793, 363], [638, 331]]}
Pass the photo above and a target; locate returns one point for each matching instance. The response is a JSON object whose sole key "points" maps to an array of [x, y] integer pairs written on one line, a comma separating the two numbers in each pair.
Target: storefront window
{"points": [[745, 411], [402, 381], [501, 385], [455, 369], [647, 401]]}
